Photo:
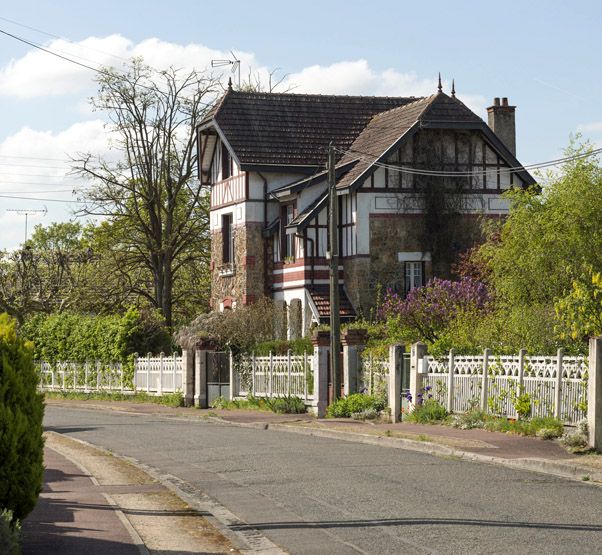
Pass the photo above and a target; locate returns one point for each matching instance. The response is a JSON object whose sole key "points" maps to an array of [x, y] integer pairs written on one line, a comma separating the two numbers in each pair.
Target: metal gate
{"points": [[218, 376]]}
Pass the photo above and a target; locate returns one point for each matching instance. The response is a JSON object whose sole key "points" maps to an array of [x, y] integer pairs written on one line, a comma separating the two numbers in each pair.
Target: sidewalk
{"points": [[72, 516], [94, 503], [479, 445]]}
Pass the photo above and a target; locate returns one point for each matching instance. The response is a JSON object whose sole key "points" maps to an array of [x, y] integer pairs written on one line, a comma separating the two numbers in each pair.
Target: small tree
{"points": [[21, 413]]}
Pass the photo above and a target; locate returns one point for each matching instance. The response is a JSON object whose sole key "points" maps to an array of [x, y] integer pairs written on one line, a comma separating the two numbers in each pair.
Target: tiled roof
{"points": [[294, 129], [386, 128], [320, 294]]}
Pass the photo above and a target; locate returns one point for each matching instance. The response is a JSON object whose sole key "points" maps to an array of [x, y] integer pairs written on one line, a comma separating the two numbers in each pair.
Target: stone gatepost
{"points": [[394, 393], [354, 342], [321, 343], [200, 374], [594, 393], [418, 354], [188, 376]]}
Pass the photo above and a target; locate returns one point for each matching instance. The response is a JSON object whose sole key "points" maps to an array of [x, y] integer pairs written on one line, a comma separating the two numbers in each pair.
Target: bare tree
{"points": [[151, 197]]}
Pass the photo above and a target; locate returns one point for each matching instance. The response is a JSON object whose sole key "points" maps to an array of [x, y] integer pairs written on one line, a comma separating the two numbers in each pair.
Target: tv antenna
{"points": [[27, 213], [234, 62]]}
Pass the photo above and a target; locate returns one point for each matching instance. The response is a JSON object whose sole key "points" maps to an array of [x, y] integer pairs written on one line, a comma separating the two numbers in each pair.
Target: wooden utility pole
{"points": [[335, 321]]}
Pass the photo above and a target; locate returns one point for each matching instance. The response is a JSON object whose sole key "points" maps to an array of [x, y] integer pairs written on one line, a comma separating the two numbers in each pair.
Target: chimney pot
{"points": [[505, 101], [496, 101]]}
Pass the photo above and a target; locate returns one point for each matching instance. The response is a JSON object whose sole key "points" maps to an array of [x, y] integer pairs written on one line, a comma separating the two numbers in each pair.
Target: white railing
{"points": [[557, 385], [373, 377], [274, 376], [83, 377], [152, 374], [158, 374]]}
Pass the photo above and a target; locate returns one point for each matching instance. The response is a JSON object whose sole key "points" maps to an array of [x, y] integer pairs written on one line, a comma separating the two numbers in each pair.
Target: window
{"points": [[287, 239], [414, 275], [226, 162], [227, 239]]}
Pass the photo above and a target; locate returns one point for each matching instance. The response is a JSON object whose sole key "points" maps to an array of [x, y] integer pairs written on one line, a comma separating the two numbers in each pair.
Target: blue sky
{"points": [[545, 56]]}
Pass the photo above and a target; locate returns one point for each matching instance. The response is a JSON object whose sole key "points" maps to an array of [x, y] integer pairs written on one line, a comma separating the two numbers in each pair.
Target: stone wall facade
{"points": [[246, 283]]}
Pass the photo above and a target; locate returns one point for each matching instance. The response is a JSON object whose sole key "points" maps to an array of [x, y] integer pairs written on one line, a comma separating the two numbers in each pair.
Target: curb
{"points": [[248, 541], [544, 466]]}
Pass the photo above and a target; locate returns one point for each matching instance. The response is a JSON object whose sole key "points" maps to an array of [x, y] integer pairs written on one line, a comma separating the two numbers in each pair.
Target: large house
{"points": [[413, 176]]}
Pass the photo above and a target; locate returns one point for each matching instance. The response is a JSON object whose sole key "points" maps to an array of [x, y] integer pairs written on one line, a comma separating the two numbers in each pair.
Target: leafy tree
{"points": [[157, 212]]}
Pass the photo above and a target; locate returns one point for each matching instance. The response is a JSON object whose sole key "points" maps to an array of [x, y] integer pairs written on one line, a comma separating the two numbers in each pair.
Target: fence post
{"points": [[148, 371], [485, 382], [97, 365], [521, 369], [63, 377], [160, 380], [187, 376], [120, 366], [305, 375], [289, 363], [52, 376], [418, 354], [253, 374], [353, 341], [74, 377], [558, 390], [450, 382], [174, 364], [371, 376], [271, 374], [231, 376], [395, 364], [321, 343], [86, 389], [594, 393]]}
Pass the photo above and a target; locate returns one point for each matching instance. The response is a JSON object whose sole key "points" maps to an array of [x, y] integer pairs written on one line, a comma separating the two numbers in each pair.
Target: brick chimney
{"points": [[501, 121]]}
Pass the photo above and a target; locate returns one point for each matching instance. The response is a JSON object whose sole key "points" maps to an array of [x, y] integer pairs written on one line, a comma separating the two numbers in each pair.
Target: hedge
{"points": [[21, 413]]}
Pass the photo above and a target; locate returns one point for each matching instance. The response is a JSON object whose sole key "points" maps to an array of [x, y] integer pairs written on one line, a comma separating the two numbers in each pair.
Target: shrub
{"points": [[428, 412], [21, 413], [286, 405], [469, 420], [578, 439], [353, 404], [10, 534]]}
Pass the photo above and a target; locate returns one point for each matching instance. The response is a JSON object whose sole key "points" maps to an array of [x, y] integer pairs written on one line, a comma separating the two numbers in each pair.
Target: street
{"points": [[317, 495]]}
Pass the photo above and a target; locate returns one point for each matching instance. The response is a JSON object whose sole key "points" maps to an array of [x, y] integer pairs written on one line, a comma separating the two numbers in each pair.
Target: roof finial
{"points": [[439, 86], [229, 83], [453, 88]]}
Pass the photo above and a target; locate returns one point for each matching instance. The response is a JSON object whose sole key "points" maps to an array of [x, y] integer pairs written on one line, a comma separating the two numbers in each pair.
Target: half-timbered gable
{"points": [[413, 175]]}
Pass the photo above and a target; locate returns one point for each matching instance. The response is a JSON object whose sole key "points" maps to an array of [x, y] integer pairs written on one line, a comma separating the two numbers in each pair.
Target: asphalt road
{"points": [[317, 495]]}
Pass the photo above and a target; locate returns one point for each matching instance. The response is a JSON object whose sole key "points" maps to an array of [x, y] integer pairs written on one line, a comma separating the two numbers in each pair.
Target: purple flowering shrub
{"points": [[426, 311]]}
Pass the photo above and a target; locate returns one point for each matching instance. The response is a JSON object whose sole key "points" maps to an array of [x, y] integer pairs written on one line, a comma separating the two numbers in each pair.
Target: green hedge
{"points": [[80, 337], [21, 413]]}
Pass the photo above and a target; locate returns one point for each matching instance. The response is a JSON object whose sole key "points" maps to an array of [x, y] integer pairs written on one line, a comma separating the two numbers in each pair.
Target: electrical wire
{"points": [[41, 199], [439, 173]]}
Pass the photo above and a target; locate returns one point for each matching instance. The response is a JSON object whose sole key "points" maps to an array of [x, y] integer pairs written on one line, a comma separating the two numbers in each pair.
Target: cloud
{"points": [[39, 74], [592, 127]]}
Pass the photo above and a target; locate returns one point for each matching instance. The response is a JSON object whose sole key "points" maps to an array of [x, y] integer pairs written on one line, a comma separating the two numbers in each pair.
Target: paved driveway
{"points": [[317, 495]]}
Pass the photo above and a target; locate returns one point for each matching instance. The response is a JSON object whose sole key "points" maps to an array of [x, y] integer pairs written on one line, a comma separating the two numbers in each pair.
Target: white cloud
{"points": [[592, 127], [39, 74]]}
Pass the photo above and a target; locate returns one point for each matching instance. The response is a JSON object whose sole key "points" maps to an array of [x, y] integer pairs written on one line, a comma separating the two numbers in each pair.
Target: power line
{"points": [[41, 199], [441, 173], [34, 158]]}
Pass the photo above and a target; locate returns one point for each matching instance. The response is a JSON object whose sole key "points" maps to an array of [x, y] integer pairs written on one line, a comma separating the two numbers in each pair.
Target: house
{"points": [[413, 178]]}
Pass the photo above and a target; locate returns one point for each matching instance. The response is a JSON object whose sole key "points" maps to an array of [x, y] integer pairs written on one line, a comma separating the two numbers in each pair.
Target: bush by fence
{"points": [[21, 412]]}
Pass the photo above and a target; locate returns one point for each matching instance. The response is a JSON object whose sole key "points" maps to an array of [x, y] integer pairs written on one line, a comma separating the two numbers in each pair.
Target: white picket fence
{"points": [[373, 377], [152, 374], [557, 385], [158, 374], [274, 376], [87, 377]]}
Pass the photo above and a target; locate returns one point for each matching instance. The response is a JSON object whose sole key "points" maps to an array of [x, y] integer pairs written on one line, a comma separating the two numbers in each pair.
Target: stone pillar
{"points": [[188, 376], [594, 393], [394, 393], [200, 379], [321, 343], [418, 353], [353, 341]]}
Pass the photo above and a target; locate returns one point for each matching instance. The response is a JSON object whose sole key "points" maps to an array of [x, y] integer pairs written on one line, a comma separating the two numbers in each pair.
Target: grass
{"points": [[543, 427], [427, 412], [279, 405], [167, 399]]}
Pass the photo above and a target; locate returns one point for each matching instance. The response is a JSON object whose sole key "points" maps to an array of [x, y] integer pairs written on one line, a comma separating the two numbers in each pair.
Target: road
{"points": [[325, 496]]}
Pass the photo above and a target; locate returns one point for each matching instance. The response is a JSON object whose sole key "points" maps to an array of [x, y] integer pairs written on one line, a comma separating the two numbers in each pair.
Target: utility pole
{"points": [[27, 213], [335, 320]]}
